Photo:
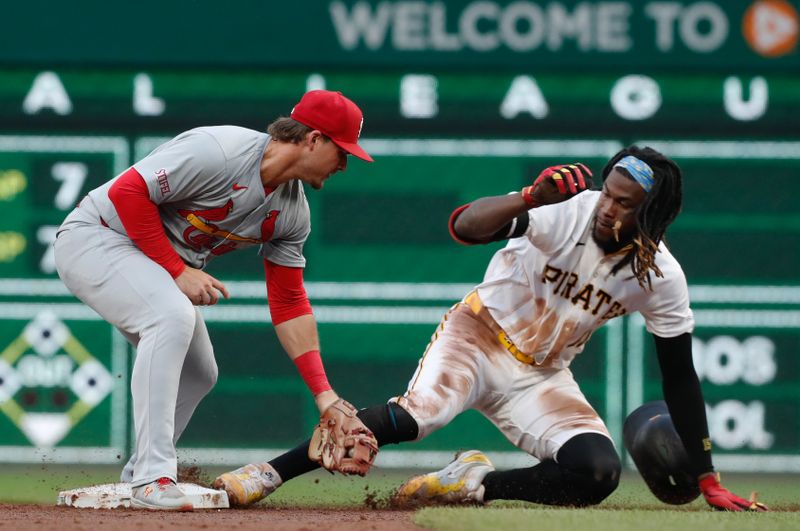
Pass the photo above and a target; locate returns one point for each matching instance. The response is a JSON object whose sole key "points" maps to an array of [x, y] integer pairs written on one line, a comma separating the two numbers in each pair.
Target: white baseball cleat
{"points": [[160, 495], [248, 484], [459, 482]]}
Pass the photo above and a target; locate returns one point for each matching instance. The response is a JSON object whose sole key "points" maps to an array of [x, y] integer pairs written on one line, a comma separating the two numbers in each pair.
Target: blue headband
{"points": [[639, 170]]}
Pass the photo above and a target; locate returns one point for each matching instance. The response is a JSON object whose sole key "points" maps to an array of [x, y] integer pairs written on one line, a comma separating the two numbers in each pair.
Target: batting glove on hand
{"points": [[558, 183], [721, 499]]}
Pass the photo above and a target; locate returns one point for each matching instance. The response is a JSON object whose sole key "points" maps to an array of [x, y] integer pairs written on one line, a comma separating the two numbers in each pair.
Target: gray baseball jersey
{"points": [[207, 185]]}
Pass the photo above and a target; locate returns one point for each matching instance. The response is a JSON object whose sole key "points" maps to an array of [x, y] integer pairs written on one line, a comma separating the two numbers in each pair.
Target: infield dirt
{"points": [[44, 517]]}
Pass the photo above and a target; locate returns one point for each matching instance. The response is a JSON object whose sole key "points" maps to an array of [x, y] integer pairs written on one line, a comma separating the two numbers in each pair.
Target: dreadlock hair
{"points": [[659, 208]]}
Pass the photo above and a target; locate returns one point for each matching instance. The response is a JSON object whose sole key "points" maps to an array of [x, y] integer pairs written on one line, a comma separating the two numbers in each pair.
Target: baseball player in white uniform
{"points": [[575, 259], [135, 248]]}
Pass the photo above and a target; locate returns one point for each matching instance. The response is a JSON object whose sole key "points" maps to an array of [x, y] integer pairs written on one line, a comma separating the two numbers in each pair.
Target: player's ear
{"points": [[313, 137]]}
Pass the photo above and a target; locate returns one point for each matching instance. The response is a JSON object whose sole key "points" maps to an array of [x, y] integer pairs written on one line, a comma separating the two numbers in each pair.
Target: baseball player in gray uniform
{"points": [[575, 259], [135, 248]]}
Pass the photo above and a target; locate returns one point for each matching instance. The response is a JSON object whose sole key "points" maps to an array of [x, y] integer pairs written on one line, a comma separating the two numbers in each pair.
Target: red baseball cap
{"points": [[333, 115]]}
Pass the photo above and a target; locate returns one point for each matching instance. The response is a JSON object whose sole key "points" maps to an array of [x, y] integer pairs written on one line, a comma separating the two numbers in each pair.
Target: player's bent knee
{"points": [[207, 378], [592, 460], [178, 317], [604, 480], [211, 377]]}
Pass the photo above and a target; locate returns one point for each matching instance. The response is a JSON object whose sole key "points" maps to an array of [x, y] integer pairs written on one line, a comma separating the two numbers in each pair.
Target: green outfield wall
{"points": [[454, 34], [382, 270], [461, 100]]}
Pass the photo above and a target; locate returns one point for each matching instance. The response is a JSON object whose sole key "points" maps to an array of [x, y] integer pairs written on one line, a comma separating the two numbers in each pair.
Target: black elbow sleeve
{"points": [[513, 229]]}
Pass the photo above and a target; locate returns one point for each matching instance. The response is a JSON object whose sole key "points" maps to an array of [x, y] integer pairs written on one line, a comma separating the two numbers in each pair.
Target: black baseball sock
{"points": [[587, 471], [294, 463], [389, 423]]}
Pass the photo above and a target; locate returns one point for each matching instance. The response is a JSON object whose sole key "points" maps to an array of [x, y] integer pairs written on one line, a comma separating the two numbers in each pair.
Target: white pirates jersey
{"points": [[207, 185], [551, 288]]}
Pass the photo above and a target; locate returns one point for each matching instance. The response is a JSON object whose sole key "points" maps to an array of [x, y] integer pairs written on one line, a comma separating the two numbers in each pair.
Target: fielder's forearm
{"points": [[300, 340], [298, 335]]}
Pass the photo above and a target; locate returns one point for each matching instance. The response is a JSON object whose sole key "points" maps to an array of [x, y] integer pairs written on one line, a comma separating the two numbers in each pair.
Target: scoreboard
{"points": [[41, 179], [521, 102], [446, 121]]}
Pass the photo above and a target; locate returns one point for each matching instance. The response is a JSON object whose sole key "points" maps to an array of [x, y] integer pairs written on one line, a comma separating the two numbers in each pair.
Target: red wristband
{"points": [[312, 372]]}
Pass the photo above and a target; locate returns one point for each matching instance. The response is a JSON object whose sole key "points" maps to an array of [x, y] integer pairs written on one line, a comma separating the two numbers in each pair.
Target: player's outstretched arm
{"points": [[300, 340], [686, 406], [340, 442], [721, 499]]}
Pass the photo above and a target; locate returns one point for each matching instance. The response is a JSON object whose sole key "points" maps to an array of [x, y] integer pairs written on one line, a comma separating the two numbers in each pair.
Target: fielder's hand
{"points": [[200, 287], [558, 183], [341, 442], [722, 499]]}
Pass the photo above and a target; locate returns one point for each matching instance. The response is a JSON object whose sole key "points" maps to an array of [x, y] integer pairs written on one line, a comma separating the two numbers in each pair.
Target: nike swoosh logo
{"points": [[237, 187]]}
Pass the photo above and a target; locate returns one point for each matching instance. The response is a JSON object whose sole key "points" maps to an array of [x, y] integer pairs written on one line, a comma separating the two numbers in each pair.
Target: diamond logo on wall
{"points": [[49, 382]]}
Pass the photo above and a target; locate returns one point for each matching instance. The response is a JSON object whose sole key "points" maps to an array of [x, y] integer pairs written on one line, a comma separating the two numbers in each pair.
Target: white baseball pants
{"points": [[465, 367], [174, 366]]}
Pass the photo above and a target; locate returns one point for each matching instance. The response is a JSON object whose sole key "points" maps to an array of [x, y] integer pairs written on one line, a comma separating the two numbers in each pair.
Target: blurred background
{"points": [[461, 99]]}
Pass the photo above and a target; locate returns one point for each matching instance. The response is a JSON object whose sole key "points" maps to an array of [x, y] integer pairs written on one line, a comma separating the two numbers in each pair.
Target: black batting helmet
{"points": [[659, 454]]}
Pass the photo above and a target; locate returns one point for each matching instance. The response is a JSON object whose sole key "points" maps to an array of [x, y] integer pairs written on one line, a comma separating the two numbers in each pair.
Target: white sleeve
{"points": [[668, 313], [551, 226], [185, 167]]}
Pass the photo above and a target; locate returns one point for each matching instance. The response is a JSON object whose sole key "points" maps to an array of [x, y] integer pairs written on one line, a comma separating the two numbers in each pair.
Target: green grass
{"points": [[631, 507], [550, 519]]}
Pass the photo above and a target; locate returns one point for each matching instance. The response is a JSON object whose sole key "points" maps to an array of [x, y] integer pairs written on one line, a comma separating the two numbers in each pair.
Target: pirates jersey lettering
{"points": [[584, 296], [551, 288]]}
